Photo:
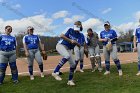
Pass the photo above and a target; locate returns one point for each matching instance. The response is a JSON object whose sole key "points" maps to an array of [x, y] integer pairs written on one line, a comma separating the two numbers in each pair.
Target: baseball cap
{"points": [[78, 23], [107, 23], [30, 28]]}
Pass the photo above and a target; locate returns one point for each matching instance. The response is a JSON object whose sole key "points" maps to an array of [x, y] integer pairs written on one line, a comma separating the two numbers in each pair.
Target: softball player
{"points": [[79, 52], [64, 47], [137, 48], [8, 54], [109, 36], [93, 48], [31, 44]]}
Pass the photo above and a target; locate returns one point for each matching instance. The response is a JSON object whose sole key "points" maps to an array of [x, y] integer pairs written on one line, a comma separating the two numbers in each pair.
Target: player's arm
{"points": [[86, 49], [42, 47], [85, 42], [85, 45], [69, 40], [25, 47], [115, 37], [65, 38], [102, 39], [134, 42], [16, 48]]}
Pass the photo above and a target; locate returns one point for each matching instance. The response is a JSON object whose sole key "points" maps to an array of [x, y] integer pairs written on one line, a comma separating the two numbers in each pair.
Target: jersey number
{"points": [[33, 41], [7, 43]]}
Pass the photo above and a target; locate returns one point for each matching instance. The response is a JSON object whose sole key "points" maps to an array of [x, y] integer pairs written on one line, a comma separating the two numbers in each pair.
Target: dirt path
{"points": [[52, 61]]}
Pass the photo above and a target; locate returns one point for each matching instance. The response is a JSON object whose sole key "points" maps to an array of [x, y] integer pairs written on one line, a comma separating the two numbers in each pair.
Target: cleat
{"points": [[56, 76], [60, 73], [138, 74], [120, 72], [42, 75], [107, 73], [15, 81], [81, 70], [93, 70], [0, 83], [100, 69], [71, 83], [31, 77]]}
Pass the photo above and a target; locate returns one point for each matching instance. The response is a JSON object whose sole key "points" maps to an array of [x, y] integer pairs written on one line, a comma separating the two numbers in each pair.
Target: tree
{"points": [[126, 36]]}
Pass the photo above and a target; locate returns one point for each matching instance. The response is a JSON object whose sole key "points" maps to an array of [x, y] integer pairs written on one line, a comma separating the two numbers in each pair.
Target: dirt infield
{"points": [[52, 61]]}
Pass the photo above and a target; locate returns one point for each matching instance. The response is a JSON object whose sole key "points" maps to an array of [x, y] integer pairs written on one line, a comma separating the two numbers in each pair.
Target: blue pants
{"points": [[5, 59], [14, 71]]}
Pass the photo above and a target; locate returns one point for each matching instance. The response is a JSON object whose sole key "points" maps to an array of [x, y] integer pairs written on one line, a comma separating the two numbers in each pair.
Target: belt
{"points": [[112, 44], [32, 48], [5, 50]]}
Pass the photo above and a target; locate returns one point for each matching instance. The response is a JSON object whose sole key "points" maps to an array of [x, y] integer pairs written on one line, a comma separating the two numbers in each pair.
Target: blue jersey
{"points": [[81, 39], [137, 34], [73, 35], [111, 34], [32, 41], [7, 42]]}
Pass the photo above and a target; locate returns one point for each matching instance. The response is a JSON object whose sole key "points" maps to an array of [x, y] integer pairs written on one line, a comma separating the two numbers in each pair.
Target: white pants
{"points": [[66, 53], [79, 53]]}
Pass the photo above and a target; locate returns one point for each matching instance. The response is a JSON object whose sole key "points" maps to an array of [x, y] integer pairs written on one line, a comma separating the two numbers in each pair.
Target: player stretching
{"points": [[64, 46]]}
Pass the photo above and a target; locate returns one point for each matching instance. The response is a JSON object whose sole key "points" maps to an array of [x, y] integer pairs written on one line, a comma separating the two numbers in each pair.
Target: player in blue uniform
{"points": [[137, 46], [108, 38], [8, 54], [64, 47], [31, 44]]}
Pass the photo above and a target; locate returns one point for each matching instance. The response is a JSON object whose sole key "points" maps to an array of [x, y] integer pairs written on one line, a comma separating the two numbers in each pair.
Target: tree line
{"points": [[50, 42]]}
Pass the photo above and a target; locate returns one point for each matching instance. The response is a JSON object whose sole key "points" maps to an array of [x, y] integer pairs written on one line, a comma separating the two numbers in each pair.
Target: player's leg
{"points": [[39, 60], [63, 51], [30, 63], [98, 58], [13, 66], [92, 58], [115, 59], [138, 48], [76, 55], [72, 68], [81, 58], [3, 66], [107, 60]]}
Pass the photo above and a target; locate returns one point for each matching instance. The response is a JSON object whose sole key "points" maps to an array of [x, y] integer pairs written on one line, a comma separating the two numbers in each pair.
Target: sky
{"points": [[52, 17]]}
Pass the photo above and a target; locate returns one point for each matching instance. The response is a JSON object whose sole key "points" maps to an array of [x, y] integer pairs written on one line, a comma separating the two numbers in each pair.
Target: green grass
{"points": [[86, 82]]}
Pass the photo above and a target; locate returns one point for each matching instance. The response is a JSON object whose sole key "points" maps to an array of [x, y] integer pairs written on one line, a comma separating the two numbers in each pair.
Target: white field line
{"points": [[103, 62]]}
